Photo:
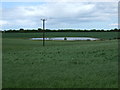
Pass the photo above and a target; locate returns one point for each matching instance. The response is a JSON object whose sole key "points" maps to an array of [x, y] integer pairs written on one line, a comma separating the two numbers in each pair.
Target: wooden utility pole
{"points": [[43, 31]]}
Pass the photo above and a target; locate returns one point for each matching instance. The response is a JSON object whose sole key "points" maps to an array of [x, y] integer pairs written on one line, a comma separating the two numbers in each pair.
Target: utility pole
{"points": [[43, 31]]}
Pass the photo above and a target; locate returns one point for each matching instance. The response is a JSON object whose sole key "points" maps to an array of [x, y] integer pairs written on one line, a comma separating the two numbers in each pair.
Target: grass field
{"points": [[102, 35], [60, 64]]}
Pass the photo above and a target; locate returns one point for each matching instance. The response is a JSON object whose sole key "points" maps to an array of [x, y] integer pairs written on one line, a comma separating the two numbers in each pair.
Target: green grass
{"points": [[102, 35], [60, 64]]}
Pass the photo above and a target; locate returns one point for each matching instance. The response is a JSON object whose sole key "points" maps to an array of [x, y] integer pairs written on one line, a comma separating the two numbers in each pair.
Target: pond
{"points": [[66, 38]]}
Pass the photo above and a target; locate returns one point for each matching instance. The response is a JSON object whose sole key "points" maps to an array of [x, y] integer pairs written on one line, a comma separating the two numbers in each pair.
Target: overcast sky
{"points": [[59, 15]]}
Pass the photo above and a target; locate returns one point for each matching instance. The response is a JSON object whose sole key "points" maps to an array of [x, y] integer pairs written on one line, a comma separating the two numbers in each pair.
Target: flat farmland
{"points": [[102, 35], [60, 64]]}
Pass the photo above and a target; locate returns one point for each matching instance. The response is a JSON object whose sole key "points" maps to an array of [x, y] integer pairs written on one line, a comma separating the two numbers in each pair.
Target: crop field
{"points": [[102, 35], [60, 64]]}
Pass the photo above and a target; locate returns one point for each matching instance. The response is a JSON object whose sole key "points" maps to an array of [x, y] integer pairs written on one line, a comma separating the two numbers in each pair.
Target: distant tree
{"points": [[39, 29], [10, 30], [93, 30], [102, 30], [115, 29], [21, 30]]}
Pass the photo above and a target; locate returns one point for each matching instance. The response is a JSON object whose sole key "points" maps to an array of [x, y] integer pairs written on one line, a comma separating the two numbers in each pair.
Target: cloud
{"points": [[115, 24], [2, 22], [59, 13], [60, 0]]}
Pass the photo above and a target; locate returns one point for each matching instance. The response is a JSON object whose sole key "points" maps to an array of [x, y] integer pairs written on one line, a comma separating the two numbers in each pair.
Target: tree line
{"points": [[21, 30]]}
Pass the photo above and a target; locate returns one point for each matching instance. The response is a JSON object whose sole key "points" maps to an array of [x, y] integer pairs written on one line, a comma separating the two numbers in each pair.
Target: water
{"points": [[66, 38]]}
